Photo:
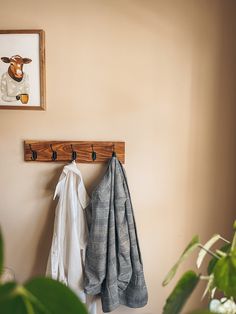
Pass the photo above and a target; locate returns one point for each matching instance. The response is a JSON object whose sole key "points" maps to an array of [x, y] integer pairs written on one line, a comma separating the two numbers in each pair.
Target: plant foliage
{"points": [[37, 296], [221, 273], [193, 244], [181, 293]]}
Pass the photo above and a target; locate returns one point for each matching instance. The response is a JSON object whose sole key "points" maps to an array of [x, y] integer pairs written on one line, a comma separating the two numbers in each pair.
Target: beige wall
{"points": [[159, 75]]}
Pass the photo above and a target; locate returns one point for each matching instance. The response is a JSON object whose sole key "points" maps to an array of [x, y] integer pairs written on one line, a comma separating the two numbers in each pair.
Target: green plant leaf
{"points": [[1, 252], [233, 246], [181, 293], [6, 290], [205, 248], [14, 299], [13, 305], [209, 287], [225, 274], [29, 307], [32, 304], [213, 261], [54, 296], [188, 250], [10, 301]]}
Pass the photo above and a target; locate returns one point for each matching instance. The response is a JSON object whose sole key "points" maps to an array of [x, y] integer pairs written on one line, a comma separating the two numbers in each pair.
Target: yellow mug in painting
{"points": [[24, 98]]}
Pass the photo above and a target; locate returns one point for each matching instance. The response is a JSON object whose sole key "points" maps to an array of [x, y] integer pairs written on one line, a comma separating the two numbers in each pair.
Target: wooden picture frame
{"points": [[22, 69]]}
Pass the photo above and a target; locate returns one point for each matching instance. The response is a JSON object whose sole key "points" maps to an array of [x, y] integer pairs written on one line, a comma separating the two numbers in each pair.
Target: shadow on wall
{"points": [[45, 240], [212, 137], [212, 140]]}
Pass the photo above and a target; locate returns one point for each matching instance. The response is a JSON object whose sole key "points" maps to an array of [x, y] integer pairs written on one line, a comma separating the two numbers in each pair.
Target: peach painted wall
{"points": [[159, 75]]}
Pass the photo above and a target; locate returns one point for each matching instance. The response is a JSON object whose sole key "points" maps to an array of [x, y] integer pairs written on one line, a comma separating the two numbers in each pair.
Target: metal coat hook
{"points": [[74, 153], [34, 153], [113, 151], [54, 153], [94, 154]]}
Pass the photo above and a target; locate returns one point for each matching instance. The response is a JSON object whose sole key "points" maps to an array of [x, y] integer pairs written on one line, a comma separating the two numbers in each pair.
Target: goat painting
{"points": [[15, 82]]}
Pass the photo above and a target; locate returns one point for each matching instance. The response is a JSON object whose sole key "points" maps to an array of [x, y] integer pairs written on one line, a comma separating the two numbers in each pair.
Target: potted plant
{"points": [[37, 296], [220, 277]]}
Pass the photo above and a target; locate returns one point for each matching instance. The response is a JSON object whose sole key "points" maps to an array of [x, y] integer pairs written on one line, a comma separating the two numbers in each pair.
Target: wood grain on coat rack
{"points": [[44, 151]]}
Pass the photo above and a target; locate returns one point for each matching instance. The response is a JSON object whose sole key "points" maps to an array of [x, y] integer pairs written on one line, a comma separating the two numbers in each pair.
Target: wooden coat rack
{"points": [[81, 151]]}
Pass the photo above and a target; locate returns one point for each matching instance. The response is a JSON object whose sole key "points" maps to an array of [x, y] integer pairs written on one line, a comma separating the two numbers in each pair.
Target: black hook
{"points": [[74, 153], [113, 151], [34, 153], [54, 153], [94, 154]]}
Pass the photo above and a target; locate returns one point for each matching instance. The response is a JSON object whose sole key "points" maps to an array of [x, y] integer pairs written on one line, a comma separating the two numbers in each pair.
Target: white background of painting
{"points": [[27, 46]]}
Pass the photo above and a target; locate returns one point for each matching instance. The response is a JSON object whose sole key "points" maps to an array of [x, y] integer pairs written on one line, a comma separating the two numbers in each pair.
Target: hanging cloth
{"points": [[67, 254], [113, 264]]}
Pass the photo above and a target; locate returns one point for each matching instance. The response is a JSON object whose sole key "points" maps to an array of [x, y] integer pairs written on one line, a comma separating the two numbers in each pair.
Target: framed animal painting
{"points": [[22, 69]]}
